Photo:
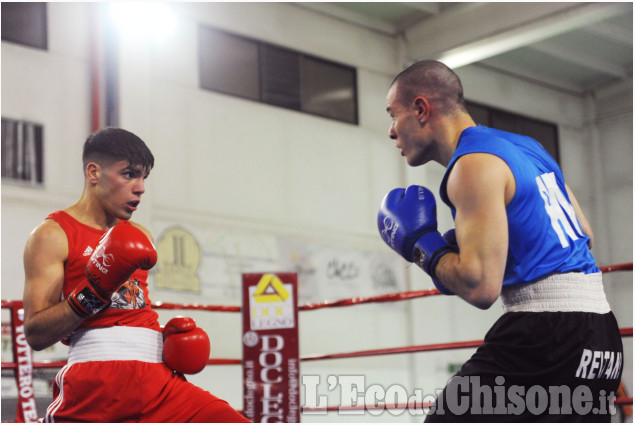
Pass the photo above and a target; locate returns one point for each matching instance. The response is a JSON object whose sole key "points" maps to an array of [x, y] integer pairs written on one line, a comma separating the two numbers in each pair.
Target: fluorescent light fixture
{"points": [[143, 19]]}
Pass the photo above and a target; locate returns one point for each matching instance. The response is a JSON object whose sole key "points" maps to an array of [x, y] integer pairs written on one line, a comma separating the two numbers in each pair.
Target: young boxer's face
{"points": [[120, 188]]}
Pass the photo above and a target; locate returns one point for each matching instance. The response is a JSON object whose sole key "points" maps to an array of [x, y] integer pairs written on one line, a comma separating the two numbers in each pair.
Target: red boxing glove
{"points": [[186, 347], [120, 252]]}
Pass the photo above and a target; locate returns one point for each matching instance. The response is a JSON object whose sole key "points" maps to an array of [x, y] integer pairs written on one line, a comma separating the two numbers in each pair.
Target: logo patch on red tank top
{"points": [[88, 251], [129, 296]]}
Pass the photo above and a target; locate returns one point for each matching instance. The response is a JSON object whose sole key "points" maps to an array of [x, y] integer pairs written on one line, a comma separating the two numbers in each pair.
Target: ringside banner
{"points": [[23, 357], [270, 347]]}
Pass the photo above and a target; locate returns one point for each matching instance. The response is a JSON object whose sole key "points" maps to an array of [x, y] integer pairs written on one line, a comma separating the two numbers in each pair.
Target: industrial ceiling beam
{"points": [[580, 58], [538, 22]]}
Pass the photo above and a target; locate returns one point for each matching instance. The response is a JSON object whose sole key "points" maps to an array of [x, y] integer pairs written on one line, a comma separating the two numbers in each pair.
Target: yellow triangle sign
{"points": [[270, 289]]}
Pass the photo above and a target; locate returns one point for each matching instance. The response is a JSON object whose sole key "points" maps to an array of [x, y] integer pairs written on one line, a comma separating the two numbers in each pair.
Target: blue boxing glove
{"points": [[450, 238], [407, 222]]}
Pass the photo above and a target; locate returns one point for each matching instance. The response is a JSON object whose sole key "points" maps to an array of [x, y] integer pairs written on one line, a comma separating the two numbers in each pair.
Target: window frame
{"points": [[300, 56]]}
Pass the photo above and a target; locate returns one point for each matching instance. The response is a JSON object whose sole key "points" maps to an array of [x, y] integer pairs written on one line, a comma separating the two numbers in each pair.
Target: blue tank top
{"points": [[544, 234]]}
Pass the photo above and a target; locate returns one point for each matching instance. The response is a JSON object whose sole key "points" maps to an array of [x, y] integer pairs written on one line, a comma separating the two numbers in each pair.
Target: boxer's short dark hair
{"points": [[112, 144]]}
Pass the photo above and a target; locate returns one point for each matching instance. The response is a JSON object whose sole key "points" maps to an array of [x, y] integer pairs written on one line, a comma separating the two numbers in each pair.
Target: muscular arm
{"points": [[584, 224], [47, 319], [480, 186]]}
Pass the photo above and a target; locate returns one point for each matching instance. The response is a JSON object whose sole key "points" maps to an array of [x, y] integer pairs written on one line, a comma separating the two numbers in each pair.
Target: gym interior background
{"points": [[268, 125]]}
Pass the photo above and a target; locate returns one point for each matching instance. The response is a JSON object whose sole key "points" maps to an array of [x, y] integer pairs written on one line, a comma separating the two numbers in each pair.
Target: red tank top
{"points": [[130, 304]]}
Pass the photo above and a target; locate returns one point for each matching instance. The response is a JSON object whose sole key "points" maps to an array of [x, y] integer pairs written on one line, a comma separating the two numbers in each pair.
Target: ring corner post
{"points": [[270, 347]]}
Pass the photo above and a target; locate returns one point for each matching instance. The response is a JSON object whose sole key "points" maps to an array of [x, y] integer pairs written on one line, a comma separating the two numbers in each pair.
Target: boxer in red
{"points": [[86, 270]]}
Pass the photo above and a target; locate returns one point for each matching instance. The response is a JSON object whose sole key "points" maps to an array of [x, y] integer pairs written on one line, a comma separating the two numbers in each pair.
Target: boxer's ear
{"points": [[421, 105], [93, 172]]}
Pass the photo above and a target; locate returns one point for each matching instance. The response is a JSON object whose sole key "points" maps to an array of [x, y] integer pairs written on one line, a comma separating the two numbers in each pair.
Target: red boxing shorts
{"points": [[117, 375]]}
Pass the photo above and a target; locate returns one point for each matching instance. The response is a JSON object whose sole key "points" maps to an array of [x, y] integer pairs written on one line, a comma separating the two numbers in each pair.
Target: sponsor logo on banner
{"points": [[270, 348], [23, 357], [179, 258], [271, 304]]}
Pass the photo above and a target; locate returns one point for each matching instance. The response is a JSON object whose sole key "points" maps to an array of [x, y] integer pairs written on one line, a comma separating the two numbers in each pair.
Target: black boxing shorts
{"points": [[541, 366]]}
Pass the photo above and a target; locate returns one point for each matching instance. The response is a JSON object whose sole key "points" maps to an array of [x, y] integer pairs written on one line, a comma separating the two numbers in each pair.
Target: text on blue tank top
{"points": [[544, 233]]}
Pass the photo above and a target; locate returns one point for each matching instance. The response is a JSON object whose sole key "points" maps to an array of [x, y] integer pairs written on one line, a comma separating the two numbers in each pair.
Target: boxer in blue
{"points": [[520, 234]]}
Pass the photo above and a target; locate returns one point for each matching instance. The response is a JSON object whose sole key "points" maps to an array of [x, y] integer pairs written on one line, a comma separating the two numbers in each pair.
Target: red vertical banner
{"points": [[270, 347], [23, 358]]}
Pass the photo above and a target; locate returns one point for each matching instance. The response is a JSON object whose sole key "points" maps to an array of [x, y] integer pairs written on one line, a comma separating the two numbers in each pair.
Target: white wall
{"points": [[230, 165], [613, 146]]}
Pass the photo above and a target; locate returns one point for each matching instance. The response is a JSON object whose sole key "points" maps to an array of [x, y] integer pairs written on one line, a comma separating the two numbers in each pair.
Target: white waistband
{"points": [[560, 292], [116, 343]]}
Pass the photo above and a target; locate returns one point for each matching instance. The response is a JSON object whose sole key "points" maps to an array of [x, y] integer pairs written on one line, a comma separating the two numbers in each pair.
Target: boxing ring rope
{"points": [[392, 297]]}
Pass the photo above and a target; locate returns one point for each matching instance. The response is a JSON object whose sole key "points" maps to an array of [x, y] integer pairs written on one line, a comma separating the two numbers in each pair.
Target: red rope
{"points": [[398, 296], [58, 364], [11, 303], [397, 350], [617, 267], [378, 352], [416, 349], [173, 306], [624, 400], [214, 362]]}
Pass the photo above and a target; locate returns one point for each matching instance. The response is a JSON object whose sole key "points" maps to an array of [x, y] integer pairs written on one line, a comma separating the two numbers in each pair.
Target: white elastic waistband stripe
{"points": [[563, 292], [116, 343]]}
